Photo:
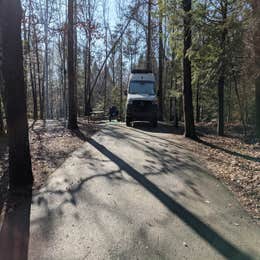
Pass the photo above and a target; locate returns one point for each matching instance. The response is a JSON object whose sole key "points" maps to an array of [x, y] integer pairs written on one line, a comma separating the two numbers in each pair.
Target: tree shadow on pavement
{"points": [[15, 230], [220, 244], [161, 128]]}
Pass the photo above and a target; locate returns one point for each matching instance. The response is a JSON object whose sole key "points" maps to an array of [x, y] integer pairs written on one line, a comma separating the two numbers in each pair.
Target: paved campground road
{"points": [[130, 193]]}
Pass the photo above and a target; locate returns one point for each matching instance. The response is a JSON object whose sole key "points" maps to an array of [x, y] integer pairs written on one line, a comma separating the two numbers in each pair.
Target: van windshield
{"points": [[142, 87]]}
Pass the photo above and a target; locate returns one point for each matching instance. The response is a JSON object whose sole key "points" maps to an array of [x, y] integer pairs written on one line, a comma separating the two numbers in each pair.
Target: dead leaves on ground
{"points": [[236, 163]]}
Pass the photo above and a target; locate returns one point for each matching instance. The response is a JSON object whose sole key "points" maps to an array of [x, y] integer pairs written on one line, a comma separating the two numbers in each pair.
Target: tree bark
{"points": [[40, 85], [32, 66], [1, 118], [72, 122], [105, 78], [20, 169], [256, 10], [46, 63], [89, 61], [187, 87], [198, 102], [149, 38], [161, 66], [221, 81], [121, 81]]}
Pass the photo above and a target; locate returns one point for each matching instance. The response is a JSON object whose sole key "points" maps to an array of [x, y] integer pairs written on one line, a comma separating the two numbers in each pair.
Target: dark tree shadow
{"points": [[179, 131], [220, 244], [15, 231], [161, 128], [244, 156]]}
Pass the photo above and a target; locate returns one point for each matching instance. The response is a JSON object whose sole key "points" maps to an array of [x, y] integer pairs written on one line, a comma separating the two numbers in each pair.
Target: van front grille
{"points": [[142, 105]]}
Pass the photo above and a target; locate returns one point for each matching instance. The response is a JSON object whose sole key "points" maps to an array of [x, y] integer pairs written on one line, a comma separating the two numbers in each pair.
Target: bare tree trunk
{"points": [[72, 123], [198, 102], [33, 86], [161, 66], [40, 87], [121, 80], [221, 81], [187, 88], [76, 54], [174, 99], [113, 68], [85, 79], [89, 42], [65, 78], [240, 105], [1, 118], [32, 77], [105, 83], [20, 169], [46, 63], [256, 9], [149, 37], [221, 84]]}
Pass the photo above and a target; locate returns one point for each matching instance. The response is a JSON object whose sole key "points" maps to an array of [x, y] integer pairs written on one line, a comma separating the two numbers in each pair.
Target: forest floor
{"points": [[50, 144], [234, 160]]}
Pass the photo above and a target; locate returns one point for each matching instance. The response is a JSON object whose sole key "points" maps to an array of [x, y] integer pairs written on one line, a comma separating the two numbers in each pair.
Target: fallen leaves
{"points": [[234, 161], [50, 143]]}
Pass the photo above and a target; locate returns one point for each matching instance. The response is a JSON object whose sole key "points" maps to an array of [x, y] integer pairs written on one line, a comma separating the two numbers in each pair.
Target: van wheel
{"points": [[128, 122], [154, 123]]}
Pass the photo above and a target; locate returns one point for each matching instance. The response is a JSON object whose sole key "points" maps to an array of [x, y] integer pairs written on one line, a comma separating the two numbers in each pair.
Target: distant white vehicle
{"points": [[142, 102]]}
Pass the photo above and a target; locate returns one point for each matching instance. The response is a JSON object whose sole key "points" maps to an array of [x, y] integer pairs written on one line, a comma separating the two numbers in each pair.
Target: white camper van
{"points": [[142, 100]]}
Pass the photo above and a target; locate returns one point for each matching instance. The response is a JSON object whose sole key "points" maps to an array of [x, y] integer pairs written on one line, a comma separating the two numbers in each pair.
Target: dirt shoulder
{"points": [[50, 145], [235, 161]]}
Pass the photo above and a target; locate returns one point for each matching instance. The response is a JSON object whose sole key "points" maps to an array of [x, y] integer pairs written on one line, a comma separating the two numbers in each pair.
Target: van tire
{"points": [[154, 123], [128, 122]]}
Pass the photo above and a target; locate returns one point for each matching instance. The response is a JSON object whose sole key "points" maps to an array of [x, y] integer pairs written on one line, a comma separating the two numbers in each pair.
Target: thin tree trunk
{"points": [[33, 86], [221, 81], [1, 118], [149, 38], [121, 80], [40, 87], [65, 79], [76, 54], [198, 102], [85, 80], [256, 9], [89, 92], [174, 99], [221, 84], [105, 83], [161, 66], [46, 63], [32, 77], [229, 102], [20, 169], [187, 88], [240, 105], [72, 123]]}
